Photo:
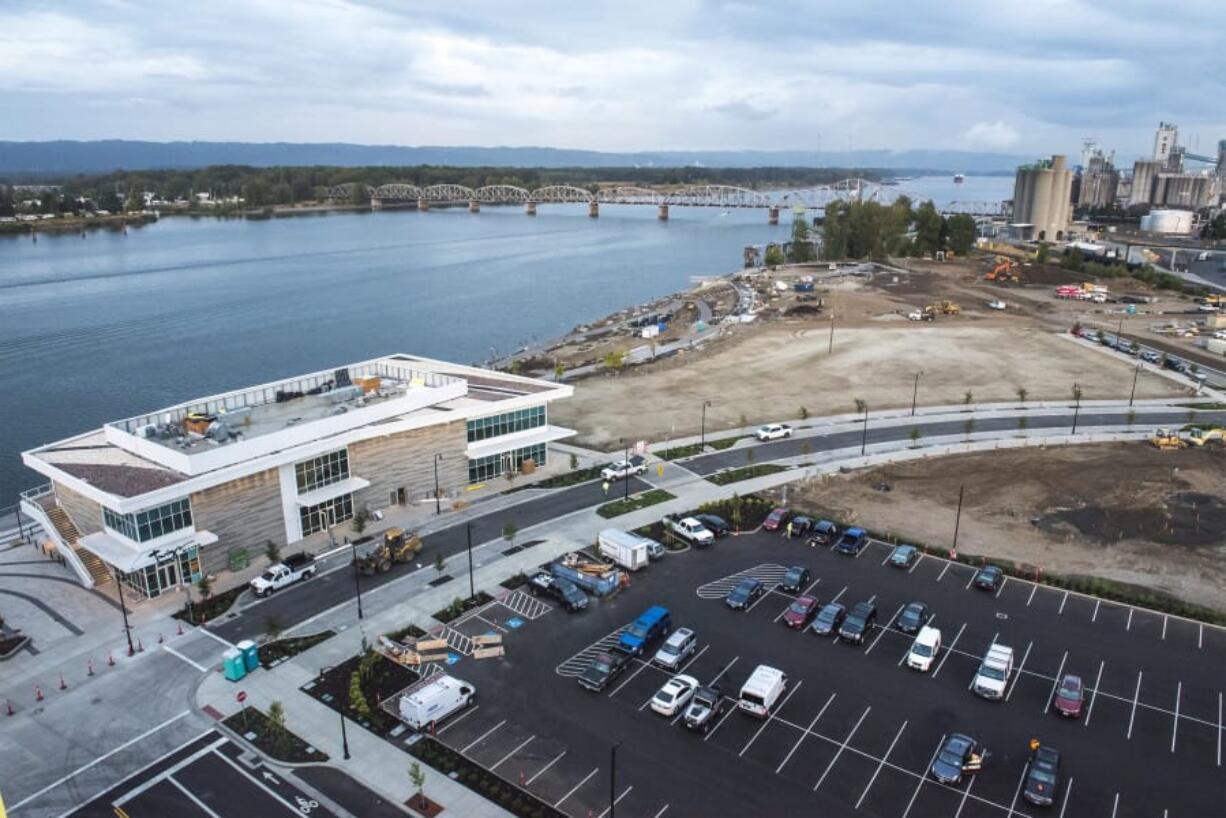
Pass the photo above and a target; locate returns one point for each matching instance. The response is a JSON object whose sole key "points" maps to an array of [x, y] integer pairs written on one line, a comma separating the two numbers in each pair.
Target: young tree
{"points": [[205, 586], [417, 778], [574, 461], [861, 406], [357, 699], [1021, 395], [558, 371], [272, 551], [914, 434], [276, 726], [614, 360], [360, 520], [968, 398], [734, 511], [804, 413], [440, 563], [774, 256], [509, 530]]}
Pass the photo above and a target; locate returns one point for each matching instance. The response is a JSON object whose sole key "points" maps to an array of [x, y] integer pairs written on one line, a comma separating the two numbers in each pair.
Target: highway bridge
{"points": [[721, 196]]}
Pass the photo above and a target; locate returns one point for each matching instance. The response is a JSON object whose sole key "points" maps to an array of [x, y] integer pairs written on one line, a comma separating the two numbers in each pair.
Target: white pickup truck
{"points": [[688, 529], [994, 671], [774, 431], [292, 569]]}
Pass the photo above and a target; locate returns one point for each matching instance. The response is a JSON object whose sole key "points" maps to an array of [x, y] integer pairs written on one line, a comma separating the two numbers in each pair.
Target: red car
{"points": [[1069, 696], [777, 518], [801, 612]]}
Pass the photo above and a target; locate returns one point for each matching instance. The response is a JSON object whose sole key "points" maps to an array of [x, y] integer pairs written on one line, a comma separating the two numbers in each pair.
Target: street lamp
{"points": [[613, 777], [472, 589], [1136, 374], [702, 444], [626, 475], [864, 436], [123, 609], [437, 506], [915, 391], [1076, 406], [344, 735]]}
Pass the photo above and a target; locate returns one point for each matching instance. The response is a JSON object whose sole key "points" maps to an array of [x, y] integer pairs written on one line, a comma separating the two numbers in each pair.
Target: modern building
{"points": [[1042, 200], [160, 499]]}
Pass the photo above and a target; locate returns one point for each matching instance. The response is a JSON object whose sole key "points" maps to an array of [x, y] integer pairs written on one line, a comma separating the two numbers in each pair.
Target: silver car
{"points": [[678, 647]]}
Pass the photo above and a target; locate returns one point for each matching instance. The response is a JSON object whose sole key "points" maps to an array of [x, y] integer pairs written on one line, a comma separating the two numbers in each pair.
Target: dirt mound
{"points": [[1185, 518]]}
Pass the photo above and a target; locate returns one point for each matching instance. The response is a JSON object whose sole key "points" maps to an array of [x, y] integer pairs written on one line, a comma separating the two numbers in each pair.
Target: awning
{"points": [[348, 486], [128, 557], [519, 440]]}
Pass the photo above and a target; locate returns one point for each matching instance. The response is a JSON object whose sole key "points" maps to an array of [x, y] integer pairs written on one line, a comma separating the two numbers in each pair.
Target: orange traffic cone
{"points": [[89, 668], [140, 646], [38, 693], [160, 640], [8, 711], [110, 659], [63, 684], [179, 629]]}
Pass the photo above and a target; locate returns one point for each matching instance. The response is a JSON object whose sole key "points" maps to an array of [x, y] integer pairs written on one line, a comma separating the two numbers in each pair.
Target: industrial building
{"points": [[1163, 181], [160, 499], [1042, 200], [1099, 182]]}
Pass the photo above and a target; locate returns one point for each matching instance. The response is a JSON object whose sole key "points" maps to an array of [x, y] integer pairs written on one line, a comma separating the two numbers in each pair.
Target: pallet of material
{"points": [[487, 641], [494, 652]]}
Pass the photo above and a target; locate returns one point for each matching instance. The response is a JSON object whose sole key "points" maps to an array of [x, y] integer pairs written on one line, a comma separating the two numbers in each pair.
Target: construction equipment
{"points": [[1200, 437], [946, 307], [396, 547], [1214, 300], [1168, 439], [1004, 271]]}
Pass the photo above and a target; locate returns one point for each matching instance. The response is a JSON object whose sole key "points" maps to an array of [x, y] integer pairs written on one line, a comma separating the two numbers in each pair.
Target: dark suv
{"points": [[704, 708], [564, 591], [604, 668], [859, 623]]}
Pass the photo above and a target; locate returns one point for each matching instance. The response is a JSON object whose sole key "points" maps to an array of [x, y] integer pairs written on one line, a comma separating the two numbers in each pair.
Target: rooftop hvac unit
{"points": [[342, 378]]}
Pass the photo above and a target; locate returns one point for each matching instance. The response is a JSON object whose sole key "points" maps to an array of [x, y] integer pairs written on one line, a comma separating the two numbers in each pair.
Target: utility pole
{"points": [[437, 504], [864, 437], [626, 476], [472, 589], [357, 583], [702, 444], [1136, 374], [915, 391], [1076, 406], [958, 517], [123, 609], [830, 347]]}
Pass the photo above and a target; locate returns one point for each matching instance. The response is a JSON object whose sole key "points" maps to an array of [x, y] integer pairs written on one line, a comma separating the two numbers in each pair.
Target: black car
{"points": [[715, 524], [959, 754], [604, 668], [795, 579], [704, 708], [564, 591], [745, 592], [913, 617], [1042, 777], [801, 525], [824, 532], [859, 623], [829, 619], [989, 578]]}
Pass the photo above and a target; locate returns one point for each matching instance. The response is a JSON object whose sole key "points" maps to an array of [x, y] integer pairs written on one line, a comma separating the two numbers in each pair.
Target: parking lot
{"points": [[856, 731]]}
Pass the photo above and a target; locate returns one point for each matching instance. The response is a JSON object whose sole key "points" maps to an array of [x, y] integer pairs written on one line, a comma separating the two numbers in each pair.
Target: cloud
{"points": [[991, 135]]}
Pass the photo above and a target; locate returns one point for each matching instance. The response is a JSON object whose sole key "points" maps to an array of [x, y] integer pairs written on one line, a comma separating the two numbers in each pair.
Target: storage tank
{"points": [[1177, 222]]}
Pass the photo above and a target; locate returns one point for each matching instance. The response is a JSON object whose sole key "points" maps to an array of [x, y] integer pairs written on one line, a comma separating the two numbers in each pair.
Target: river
{"points": [[98, 328]]}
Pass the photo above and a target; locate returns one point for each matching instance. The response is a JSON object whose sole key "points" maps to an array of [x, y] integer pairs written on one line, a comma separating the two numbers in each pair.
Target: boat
{"points": [[959, 178]]}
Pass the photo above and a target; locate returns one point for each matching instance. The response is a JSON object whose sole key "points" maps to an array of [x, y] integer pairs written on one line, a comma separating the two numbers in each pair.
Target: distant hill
{"points": [[67, 157]]}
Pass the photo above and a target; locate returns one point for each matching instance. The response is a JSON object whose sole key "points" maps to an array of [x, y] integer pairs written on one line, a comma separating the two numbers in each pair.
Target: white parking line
{"points": [[1135, 697], [587, 778], [949, 650], [1115, 807], [835, 598], [923, 777], [539, 772], [1165, 619], [1034, 586], [642, 666], [917, 562], [842, 747], [1068, 788], [1128, 625], [943, 570], [178, 655], [1219, 728], [757, 601], [1200, 637], [965, 793], [663, 809], [458, 719], [1059, 673], [616, 801], [1094, 693], [881, 632], [1061, 611], [972, 579], [1018, 791], [1097, 603], [483, 736], [513, 752], [877, 772], [805, 734], [725, 669], [721, 721], [769, 718], [190, 796], [1020, 670], [1002, 587], [1175, 728]]}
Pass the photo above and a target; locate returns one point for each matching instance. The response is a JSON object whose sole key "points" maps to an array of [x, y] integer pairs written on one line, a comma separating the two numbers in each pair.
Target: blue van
{"points": [[654, 623]]}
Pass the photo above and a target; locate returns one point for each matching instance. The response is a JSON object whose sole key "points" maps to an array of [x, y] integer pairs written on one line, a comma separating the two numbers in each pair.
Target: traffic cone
{"points": [[89, 668], [131, 650], [160, 640], [110, 659], [63, 684], [8, 711], [521, 772], [179, 630], [38, 693], [140, 646]]}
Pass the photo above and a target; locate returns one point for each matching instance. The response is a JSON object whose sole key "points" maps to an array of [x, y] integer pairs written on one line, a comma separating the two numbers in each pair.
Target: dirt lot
{"points": [[769, 372], [1063, 509]]}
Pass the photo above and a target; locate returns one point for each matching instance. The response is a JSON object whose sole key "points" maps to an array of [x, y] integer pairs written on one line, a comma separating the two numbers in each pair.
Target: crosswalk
{"points": [[526, 605], [457, 641], [770, 573], [575, 665]]}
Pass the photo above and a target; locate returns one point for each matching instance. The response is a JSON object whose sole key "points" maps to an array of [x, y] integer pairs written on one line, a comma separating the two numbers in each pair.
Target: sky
{"points": [[1029, 77]]}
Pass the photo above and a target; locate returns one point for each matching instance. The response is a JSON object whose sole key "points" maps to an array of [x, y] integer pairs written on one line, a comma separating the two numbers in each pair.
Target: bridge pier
{"points": [[423, 203], [773, 215], [593, 209], [530, 208], [662, 215], [474, 206], [376, 203]]}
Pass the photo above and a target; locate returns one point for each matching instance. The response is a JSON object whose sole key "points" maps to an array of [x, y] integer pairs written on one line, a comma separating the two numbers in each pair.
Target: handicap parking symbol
{"points": [[452, 658], [514, 622]]}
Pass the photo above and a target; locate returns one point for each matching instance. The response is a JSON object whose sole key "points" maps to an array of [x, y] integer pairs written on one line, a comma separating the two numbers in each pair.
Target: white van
{"points": [[762, 690], [924, 649], [625, 549], [436, 699]]}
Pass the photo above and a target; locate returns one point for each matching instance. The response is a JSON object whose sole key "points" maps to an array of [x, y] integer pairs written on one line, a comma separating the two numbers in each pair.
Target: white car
{"points": [[915, 315], [774, 431], [997, 304], [674, 695], [924, 649]]}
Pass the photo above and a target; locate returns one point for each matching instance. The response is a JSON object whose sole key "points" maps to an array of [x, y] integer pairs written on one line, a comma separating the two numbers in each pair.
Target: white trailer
{"points": [[625, 549], [435, 700]]}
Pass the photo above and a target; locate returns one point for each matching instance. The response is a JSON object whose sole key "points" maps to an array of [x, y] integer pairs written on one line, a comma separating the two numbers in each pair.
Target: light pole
{"points": [[472, 589], [915, 391], [1136, 374], [626, 476], [123, 609], [344, 735], [1076, 406], [613, 777], [958, 518], [702, 441], [864, 437], [437, 505]]}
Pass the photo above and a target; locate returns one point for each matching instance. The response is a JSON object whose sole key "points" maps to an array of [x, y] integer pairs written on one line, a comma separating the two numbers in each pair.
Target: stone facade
{"points": [[85, 514], [243, 513], [406, 460]]}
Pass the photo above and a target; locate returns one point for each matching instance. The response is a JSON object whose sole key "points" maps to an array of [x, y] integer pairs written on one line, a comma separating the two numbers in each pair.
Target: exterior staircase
{"points": [[68, 533]]}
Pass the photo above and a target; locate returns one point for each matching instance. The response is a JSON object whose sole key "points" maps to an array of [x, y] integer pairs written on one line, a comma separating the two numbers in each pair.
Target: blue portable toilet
{"points": [[251, 654], [233, 666]]}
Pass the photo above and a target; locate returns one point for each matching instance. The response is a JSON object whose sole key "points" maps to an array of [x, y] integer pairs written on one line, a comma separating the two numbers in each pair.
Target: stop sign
{"points": [[242, 696]]}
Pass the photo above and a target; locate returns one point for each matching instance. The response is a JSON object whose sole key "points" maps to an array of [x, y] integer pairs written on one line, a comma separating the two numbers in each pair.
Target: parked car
{"points": [[688, 530], [676, 649], [604, 668], [797, 578], [774, 431], [904, 556], [829, 618], [988, 578], [852, 542], [800, 525], [715, 524], [624, 468], [800, 613], [653, 623], [775, 519], [924, 649], [959, 755], [563, 590], [673, 695], [744, 594], [1070, 695], [1150, 357], [294, 568], [824, 533], [705, 707], [913, 617], [859, 623], [1042, 776]]}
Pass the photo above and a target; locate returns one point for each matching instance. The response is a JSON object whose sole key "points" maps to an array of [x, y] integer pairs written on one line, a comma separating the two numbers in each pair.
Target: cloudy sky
{"points": [[1019, 77]]}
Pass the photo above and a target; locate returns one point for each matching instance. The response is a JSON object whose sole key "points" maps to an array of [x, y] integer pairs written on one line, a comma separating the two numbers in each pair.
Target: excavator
{"points": [[1168, 440], [1004, 271], [397, 546], [1206, 437]]}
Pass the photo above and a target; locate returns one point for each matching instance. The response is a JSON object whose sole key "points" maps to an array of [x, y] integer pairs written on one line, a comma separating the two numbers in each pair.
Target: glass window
{"points": [[481, 469], [321, 471], [507, 423], [326, 514], [151, 523]]}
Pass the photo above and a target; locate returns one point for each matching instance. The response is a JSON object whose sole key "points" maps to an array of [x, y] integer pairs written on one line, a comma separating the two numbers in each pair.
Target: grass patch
{"points": [[459, 606], [276, 652], [206, 610], [647, 498], [723, 478], [725, 442], [379, 678], [677, 452], [280, 744], [502, 792], [571, 478]]}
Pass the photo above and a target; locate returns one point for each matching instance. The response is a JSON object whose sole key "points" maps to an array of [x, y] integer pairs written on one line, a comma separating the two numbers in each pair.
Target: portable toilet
{"points": [[233, 666], [251, 654]]}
